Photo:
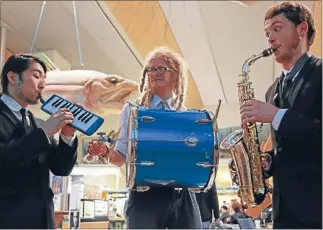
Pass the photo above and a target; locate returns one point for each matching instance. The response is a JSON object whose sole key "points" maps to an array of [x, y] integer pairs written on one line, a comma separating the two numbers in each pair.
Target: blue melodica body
{"points": [[84, 121]]}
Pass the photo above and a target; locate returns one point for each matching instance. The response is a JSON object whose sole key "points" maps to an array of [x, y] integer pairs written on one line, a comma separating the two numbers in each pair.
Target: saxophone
{"points": [[245, 165]]}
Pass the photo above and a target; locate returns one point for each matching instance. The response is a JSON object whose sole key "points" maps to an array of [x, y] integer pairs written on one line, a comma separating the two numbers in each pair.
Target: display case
{"points": [[87, 210], [101, 208], [94, 210]]}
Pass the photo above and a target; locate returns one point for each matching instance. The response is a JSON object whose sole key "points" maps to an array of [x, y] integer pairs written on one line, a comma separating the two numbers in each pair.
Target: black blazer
{"points": [[26, 199], [297, 163]]}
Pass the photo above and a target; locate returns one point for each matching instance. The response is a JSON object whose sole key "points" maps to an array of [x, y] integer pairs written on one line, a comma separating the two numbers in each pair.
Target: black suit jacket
{"points": [[26, 199], [297, 163]]}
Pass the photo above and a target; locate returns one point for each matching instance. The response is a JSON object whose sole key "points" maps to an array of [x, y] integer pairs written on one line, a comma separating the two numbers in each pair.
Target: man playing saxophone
{"points": [[293, 107]]}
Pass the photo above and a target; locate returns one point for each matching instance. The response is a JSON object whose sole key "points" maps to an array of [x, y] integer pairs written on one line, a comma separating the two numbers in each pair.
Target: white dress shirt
{"points": [[121, 144], [15, 107]]}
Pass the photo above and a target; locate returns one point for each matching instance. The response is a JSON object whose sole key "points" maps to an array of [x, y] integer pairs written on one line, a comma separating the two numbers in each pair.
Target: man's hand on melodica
{"points": [[68, 130], [57, 121]]}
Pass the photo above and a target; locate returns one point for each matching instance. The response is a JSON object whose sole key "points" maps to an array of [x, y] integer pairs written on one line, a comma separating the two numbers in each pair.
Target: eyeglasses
{"points": [[159, 70]]}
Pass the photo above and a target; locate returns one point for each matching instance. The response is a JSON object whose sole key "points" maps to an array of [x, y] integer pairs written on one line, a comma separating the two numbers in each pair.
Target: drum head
{"points": [[216, 154], [132, 147], [130, 170]]}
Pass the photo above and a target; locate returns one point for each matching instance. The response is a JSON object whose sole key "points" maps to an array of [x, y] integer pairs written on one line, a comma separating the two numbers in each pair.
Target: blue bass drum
{"points": [[177, 149]]}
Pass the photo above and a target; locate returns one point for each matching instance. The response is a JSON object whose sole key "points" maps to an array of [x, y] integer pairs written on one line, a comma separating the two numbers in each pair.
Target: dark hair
{"points": [[224, 207], [18, 63], [296, 13]]}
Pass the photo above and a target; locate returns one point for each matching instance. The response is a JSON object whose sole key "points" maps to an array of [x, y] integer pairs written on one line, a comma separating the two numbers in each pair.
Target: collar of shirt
{"points": [[155, 103], [288, 71], [11, 103]]}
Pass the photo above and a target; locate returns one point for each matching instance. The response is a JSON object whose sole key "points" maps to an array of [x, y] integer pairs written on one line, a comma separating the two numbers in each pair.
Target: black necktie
{"points": [[288, 79], [24, 118], [288, 83]]}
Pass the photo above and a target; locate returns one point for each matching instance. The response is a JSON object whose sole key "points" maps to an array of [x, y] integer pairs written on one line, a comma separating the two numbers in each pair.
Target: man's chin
{"points": [[278, 59], [280, 56], [34, 102]]}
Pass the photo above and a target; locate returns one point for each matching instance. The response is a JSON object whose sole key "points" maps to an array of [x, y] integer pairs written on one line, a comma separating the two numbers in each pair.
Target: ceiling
{"points": [[102, 48], [215, 37]]}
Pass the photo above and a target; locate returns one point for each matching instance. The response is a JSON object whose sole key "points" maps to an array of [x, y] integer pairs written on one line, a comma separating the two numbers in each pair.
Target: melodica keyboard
{"points": [[84, 121]]}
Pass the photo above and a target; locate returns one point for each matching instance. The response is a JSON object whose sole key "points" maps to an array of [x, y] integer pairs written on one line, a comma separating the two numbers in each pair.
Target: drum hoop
{"points": [[132, 146], [216, 153]]}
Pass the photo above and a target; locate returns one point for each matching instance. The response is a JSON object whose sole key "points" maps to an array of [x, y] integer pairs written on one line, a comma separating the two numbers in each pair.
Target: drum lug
{"points": [[203, 121], [142, 188], [147, 118], [145, 163], [204, 164], [191, 141]]}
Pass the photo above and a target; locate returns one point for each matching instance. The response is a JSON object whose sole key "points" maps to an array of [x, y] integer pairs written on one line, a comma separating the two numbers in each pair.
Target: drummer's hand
{"points": [[95, 148]]}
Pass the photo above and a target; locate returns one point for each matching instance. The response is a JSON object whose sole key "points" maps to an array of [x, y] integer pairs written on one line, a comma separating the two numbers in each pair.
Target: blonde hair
{"points": [[176, 62]]}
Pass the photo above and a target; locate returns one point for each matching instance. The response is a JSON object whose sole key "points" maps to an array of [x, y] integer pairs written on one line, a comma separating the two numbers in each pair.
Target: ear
{"points": [[310, 42], [12, 77], [302, 29]]}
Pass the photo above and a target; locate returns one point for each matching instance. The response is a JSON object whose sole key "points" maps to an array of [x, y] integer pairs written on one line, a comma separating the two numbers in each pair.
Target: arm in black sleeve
{"points": [[19, 150], [295, 125], [62, 157]]}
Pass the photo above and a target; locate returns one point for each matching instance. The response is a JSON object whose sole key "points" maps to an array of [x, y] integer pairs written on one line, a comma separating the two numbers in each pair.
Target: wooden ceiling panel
{"points": [[141, 23], [113, 5], [127, 12]]}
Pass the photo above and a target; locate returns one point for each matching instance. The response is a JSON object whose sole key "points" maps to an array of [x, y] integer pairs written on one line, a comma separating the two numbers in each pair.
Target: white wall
{"points": [[58, 59], [229, 115]]}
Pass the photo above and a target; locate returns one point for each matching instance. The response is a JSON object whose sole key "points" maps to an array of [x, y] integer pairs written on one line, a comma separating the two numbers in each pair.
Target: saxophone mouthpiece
{"points": [[268, 52]]}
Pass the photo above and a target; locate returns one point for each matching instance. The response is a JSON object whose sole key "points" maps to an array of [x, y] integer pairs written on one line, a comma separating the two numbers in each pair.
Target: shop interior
{"points": [[94, 195]]}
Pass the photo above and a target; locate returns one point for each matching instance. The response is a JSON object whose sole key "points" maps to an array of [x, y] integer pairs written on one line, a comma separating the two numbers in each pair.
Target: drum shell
{"points": [[160, 140]]}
